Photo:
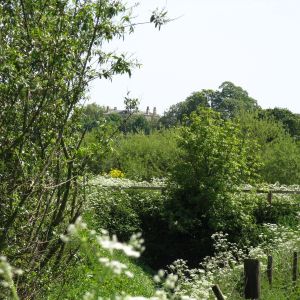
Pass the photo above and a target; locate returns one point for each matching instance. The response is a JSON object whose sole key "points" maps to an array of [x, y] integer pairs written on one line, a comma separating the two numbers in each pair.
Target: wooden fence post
{"points": [[252, 278], [270, 195], [295, 267], [217, 292], [270, 269]]}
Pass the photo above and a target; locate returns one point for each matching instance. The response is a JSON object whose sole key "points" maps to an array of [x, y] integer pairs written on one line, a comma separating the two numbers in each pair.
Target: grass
{"points": [[81, 278], [87, 274]]}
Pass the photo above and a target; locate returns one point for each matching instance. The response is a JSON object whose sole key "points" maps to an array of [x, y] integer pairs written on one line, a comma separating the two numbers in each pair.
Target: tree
{"points": [[260, 127], [135, 124], [281, 161], [177, 112], [93, 116], [290, 121], [279, 152], [229, 100], [50, 52], [214, 160]]}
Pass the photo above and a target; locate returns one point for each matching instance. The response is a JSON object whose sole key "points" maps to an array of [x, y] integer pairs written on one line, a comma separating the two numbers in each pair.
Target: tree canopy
{"points": [[228, 100], [50, 52]]}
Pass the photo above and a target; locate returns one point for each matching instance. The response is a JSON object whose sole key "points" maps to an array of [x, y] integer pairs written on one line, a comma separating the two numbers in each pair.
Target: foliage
{"points": [[176, 113], [142, 156], [137, 123], [214, 160], [284, 210], [106, 270], [124, 207], [290, 121], [229, 100], [106, 274], [232, 99], [51, 51], [113, 210], [282, 161], [225, 268], [263, 130], [125, 212], [279, 152], [92, 116]]}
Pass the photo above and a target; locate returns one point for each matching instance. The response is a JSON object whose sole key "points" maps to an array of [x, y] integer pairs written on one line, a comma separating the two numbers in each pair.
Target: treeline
{"points": [[144, 147]]}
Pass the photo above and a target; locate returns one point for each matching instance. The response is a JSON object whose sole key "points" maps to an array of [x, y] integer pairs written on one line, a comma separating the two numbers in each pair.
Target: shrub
{"points": [[282, 161], [214, 160], [143, 156], [113, 210], [284, 210]]}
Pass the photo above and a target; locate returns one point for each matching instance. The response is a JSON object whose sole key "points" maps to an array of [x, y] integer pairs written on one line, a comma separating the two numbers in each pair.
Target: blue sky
{"points": [[253, 43]]}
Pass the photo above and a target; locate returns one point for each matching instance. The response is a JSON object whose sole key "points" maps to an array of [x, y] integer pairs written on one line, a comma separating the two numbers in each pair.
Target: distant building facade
{"points": [[149, 115]]}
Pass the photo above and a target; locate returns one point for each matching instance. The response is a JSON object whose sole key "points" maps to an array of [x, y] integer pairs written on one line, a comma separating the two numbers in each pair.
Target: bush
{"points": [[214, 160], [142, 156], [282, 161], [126, 212], [279, 152], [284, 210], [114, 211]]}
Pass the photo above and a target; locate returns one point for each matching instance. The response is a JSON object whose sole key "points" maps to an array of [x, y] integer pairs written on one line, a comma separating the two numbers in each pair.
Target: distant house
{"points": [[147, 114]]}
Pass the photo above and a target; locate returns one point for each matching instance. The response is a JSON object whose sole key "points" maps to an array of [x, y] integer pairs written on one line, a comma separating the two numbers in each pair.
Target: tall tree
{"points": [[50, 51], [228, 100]]}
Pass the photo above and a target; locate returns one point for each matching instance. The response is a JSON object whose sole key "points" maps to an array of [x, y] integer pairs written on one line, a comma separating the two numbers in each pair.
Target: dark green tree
{"points": [[229, 100], [135, 124], [290, 121], [177, 112]]}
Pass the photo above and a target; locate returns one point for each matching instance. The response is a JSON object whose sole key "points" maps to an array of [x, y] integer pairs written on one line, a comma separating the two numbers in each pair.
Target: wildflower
{"points": [[171, 281], [64, 238], [72, 229], [18, 272], [103, 260], [88, 296], [129, 274]]}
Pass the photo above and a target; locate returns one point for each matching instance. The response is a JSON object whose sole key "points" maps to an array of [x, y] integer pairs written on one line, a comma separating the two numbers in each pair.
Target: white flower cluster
{"points": [[116, 266], [133, 248], [7, 273], [226, 266], [179, 282], [169, 282], [158, 295], [107, 181], [271, 187]]}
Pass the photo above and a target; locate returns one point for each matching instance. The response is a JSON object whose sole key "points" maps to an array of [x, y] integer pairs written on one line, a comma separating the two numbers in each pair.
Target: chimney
{"points": [[107, 108], [154, 111], [147, 110]]}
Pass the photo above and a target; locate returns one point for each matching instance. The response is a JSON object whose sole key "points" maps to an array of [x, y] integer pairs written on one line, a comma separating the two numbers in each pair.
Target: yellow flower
{"points": [[115, 173]]}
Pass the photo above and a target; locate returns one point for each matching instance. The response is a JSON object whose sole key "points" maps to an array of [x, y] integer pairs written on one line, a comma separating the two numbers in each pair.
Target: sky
{"points": [[253, 43]]}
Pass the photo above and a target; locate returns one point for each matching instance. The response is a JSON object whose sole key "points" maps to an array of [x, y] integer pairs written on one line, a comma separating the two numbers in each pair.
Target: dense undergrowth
{"points": [[104, 267], [221, 261]]}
